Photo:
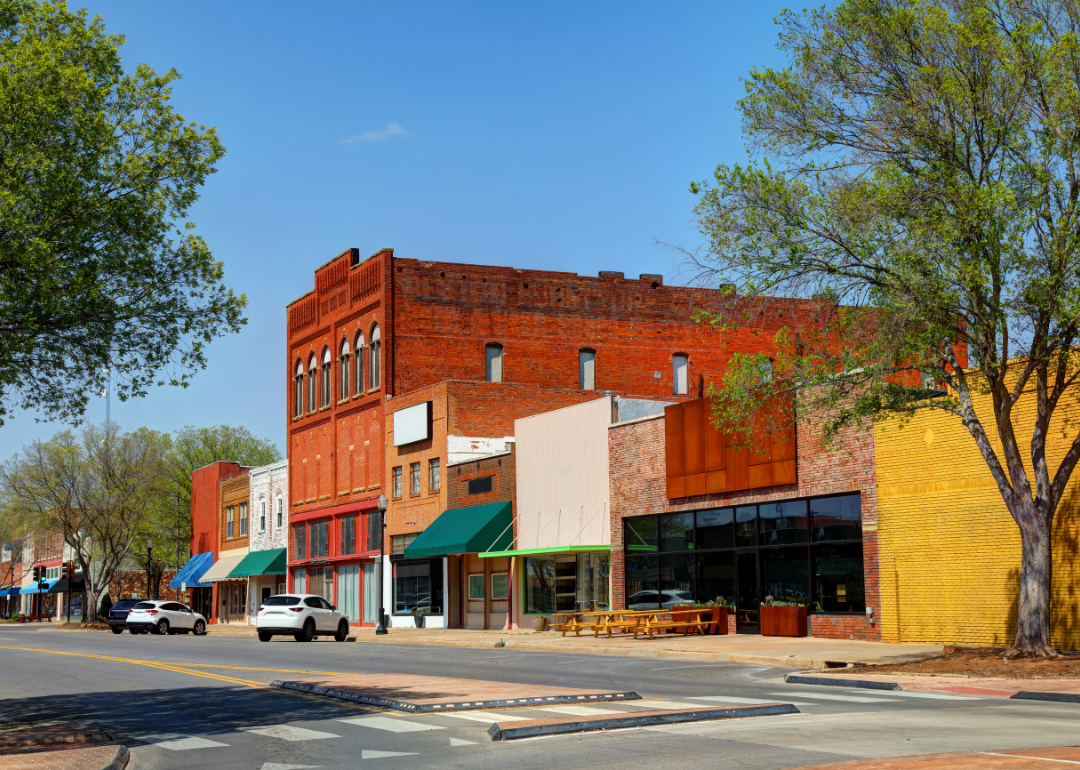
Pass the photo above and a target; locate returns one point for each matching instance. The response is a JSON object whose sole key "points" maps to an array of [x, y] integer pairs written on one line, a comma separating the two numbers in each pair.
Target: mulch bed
{"points": [[84, 627], [987, 662]]}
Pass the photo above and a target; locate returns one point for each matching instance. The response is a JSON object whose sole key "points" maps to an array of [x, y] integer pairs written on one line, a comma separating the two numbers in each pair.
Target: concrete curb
{"points": [[510, 733], [644, 652], [1057, 697], [435, 708], [120, 760], [865, 684]]}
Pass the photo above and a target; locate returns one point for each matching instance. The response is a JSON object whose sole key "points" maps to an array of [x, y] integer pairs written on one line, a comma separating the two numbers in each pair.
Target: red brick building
{"points": [[375, 330]]}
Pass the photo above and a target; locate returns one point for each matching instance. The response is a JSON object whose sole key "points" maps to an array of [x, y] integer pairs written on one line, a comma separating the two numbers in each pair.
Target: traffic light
{"points": [[37, 574], [69, 570]]}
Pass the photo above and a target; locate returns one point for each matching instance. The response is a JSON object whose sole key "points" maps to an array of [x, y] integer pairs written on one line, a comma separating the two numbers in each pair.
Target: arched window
{"points": [[680, 374], [298, 390], [374, 356], [358, 369], [493, 362], [327, 374], [343, 379], [312, 380], [587, 369]]}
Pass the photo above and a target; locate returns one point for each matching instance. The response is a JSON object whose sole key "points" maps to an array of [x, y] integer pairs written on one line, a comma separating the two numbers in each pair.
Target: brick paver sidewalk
{"points": [[67, 757], [49, 733], [1011, 759]]}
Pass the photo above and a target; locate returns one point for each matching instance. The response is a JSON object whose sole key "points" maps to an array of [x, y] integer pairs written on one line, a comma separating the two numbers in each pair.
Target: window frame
{"points": [[298, 390], [472, 583], [493, 362], [262, 514], [414, 478], [586, 369], [243, 519], [396, 485], [680, 388], [506, 581], [359, 372], [229, 522], [374, 356], [325, 379], [280, 511], [434, 474], [312, 385], [344, 381]]}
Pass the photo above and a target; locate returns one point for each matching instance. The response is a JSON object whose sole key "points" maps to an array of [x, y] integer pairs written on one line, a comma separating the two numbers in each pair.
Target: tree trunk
{"points": [[91, 608], [1033, 614]]}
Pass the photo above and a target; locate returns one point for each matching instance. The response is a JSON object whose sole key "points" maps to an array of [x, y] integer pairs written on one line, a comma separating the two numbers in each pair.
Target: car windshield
{"points": [[145, 606], [124, 604], [281, 601]]}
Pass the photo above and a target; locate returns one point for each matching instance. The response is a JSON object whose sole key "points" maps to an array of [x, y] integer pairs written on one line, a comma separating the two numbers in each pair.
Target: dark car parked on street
{"points": [[118, 615]]}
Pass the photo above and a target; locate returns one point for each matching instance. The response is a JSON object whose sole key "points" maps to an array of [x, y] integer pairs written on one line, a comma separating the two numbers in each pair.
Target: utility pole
{"points": [[382, 503], [176, 591]]}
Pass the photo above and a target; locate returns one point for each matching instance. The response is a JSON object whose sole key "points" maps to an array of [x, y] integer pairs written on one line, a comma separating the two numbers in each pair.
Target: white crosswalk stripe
{"points": [[290, 733], [461, 742], [178, 742], [484, 716], [390, 724], [368, 754], [931, 695], [844, 698], [582, 711], [654, 705], [748, 701]]}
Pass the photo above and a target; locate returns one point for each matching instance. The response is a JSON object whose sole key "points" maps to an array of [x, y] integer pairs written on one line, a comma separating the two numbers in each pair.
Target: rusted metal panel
{"points": [[694, 436], [674, 452], [715, 482], [759, 476], [785, 472], [715, 458], [676, 487], [695, 484]]}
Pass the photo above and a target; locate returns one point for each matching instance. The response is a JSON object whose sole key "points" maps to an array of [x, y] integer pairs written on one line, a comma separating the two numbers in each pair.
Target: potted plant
{"points": [[780, 618], [718, 617]]}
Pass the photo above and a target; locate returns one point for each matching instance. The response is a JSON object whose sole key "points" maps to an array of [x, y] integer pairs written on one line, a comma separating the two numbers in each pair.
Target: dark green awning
{"points": [[270, 562], [466, 530]]}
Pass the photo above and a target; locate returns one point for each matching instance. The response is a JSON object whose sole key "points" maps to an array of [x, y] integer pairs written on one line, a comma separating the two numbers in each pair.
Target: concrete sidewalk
{"points": [[1033, 759], [960, 685]]}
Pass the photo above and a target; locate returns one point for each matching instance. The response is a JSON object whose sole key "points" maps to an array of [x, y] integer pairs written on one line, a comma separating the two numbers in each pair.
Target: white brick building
{"points": [[269, 529]]}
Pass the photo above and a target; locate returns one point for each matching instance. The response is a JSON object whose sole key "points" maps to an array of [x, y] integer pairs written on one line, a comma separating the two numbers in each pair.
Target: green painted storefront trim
{"points": [[541, 551]]}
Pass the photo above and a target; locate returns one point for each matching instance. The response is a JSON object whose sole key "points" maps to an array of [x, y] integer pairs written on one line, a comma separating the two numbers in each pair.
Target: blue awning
{"points": [[195, 568], [15, 591], [36, 588]]}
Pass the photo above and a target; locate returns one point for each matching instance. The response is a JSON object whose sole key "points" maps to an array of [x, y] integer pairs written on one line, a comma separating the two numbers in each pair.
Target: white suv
{"points": [[162, 617], [305, 616]]}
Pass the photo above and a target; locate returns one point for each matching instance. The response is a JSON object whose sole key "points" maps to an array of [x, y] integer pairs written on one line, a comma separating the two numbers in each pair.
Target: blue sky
{"points": [[555, 135]]}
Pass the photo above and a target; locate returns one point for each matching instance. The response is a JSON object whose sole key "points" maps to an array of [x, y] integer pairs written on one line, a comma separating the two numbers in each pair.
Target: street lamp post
{"points": [[149, 556], [381, 628]]}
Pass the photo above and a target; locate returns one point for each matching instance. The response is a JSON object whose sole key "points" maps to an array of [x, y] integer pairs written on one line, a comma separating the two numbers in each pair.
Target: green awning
{"points": [[541, 551], [477, 529], [270, 562]]}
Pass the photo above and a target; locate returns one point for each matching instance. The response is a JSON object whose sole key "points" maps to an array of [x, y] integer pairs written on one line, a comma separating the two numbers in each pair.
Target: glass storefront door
{"points": [[372, 585], [748, 597]]}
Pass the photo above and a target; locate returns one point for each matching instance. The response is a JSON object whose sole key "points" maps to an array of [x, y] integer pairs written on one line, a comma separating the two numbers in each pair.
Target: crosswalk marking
{"points": [[483, 716], [461, 742], [652, 705], [178, 742], [934, 695], [845, 698], [290, 733], [279, 766], [747, 701], [581, 711], [368, 754], [390, 724]]}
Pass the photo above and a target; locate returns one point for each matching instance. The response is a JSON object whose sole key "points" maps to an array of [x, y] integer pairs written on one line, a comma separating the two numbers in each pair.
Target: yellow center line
{"points": [[175, 669], [273, 670]]}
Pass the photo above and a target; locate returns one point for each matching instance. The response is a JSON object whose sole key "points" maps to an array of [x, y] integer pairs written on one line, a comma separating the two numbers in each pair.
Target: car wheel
{"points": [[342, 632], [162, 627], [265, 637], [308, 633], [200, 628], [134, 631], [118, 630]]}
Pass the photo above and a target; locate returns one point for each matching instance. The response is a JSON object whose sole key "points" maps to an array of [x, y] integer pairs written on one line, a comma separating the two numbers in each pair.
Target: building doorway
{"points": [[747, 593]]}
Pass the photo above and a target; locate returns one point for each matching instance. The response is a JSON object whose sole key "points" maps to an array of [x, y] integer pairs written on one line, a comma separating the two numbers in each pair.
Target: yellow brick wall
{"points": [[949, 550]]}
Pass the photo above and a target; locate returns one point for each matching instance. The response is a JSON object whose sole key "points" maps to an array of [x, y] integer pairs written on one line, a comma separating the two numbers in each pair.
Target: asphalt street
{"points": [[184, 702]]}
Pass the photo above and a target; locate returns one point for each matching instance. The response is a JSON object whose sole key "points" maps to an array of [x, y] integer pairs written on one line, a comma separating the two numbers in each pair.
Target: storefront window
{"points": [[716, 528], [786, 574], [746, 526], [593, 573], [476, 588], [716, 576], [783, 523], [640, 535], [348, 535], [418, 586], [500, 586], [321, 582], [348, 591], [677, 532], [300, 581], [299, 542], [676, 580], [539, 584], [320, 539], [642, 581], [836, 518], [838, 577]]}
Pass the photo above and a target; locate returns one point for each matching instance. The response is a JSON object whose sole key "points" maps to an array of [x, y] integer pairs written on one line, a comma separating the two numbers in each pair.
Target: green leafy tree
{"points": [[193, 448], [95, 490], [99, 271], [917, 183]]}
